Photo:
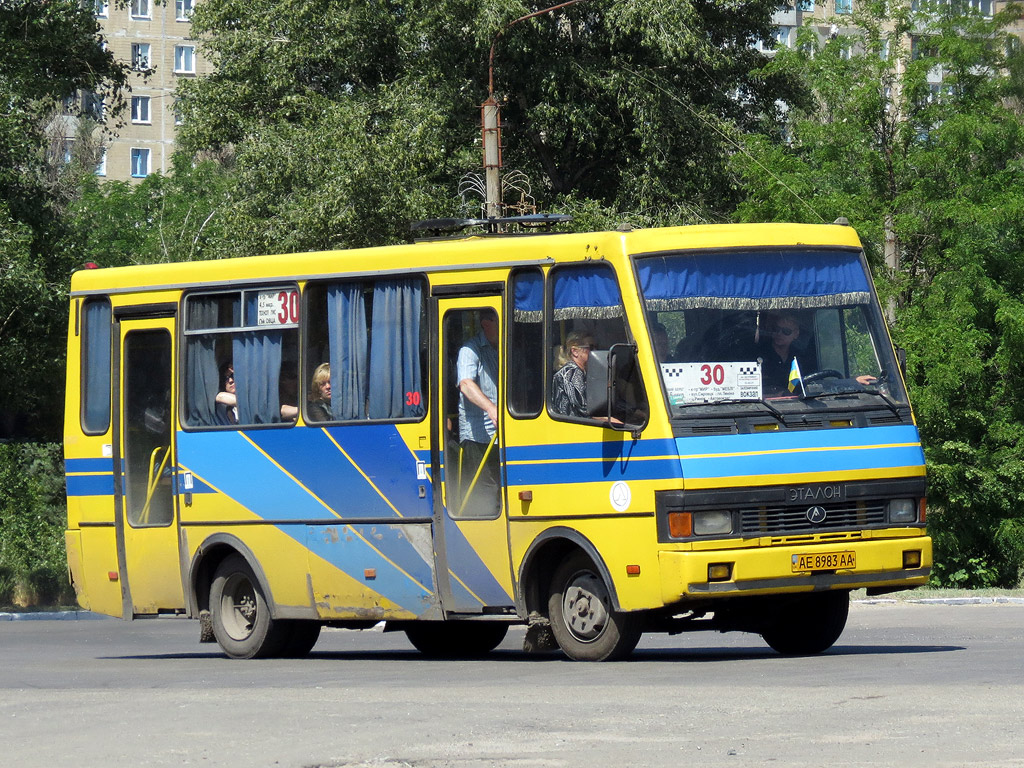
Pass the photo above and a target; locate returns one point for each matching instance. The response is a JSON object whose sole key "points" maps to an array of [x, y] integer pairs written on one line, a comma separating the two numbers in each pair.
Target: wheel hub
{"points": [[585, 607]]}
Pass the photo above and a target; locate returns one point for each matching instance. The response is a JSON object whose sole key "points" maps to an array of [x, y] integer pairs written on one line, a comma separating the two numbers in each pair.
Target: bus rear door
{"points": [[146, 520]]}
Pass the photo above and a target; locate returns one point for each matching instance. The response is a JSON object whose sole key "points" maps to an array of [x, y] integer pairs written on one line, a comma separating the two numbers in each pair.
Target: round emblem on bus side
{"points": [[816, 515], [620, 496]]}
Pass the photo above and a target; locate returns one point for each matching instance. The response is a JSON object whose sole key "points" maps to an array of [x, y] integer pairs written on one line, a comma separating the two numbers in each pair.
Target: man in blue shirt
{"points": [[477, 374]]}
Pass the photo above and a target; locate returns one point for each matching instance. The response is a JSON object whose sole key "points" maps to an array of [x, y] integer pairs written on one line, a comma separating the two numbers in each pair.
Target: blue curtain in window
{"points": [[395, 350], [257, 362], [587, 291], [762, 280], [96, 408], [201, 375], [529, 297], [346, 326]]}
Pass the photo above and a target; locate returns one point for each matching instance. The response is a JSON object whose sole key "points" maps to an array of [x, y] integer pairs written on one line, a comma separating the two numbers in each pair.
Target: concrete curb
{"points": [[52, 616]]}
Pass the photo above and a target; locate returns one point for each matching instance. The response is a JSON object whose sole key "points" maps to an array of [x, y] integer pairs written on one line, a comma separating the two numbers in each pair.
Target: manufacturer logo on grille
{"points": [[816, 515]]}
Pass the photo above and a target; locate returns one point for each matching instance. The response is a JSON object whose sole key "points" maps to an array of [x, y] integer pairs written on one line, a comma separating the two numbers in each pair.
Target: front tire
{"points": [[808, 624], [241, 615], [585, 625]]}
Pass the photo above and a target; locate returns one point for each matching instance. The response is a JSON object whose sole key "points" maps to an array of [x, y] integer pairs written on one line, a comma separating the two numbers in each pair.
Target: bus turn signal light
{"points": [[632, 570], [680, 525], [719, 571], [912, 558]]}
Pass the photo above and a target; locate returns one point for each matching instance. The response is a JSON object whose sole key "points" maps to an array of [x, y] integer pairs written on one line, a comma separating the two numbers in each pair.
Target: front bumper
{"points": [[769, 570]]}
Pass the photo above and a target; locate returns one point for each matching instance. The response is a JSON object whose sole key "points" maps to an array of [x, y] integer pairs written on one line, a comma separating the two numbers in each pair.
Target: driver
{"points": [[778, 353]]}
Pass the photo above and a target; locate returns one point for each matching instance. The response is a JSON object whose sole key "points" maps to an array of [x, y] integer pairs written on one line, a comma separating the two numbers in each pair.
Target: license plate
{"points": [[824, 561]]}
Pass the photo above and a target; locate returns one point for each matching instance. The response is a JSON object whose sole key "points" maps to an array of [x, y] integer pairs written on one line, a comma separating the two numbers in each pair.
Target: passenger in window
{"points": [[477, 374], [320, 394], [226, 406], [227, 398], [569, 385]]}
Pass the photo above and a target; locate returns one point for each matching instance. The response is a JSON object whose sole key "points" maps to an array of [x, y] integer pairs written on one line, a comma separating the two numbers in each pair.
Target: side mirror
{"points": [[627, 408]]}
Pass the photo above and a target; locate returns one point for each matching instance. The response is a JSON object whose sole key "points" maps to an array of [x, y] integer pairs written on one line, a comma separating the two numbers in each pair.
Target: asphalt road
{"points": [[907, 685]]}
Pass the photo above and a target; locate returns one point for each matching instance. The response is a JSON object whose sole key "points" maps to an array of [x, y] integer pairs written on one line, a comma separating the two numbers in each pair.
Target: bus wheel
{"points": [[302, 636], [808, 624], [586, 626], [241, 617], [455, 639]]}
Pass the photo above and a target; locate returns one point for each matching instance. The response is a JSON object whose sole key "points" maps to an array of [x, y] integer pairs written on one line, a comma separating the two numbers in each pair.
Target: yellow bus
{"points": [[595, 435]]}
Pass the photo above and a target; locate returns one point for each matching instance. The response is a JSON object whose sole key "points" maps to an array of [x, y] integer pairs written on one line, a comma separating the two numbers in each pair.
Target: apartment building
{"points": [[156, 39]]}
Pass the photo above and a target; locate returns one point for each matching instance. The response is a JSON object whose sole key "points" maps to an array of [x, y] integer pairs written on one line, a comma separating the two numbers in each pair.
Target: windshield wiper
{"points": [[770, 408]]}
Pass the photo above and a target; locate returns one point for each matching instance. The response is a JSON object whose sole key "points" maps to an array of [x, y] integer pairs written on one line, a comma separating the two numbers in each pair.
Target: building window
{"points": [[67, 151], [101, 166], [183, 9], [102, 9], [140, 109], [140, 9], [140, 163], [984, 7], [806, 6], [140, 56], [844, 6], [185, 59], [92, 106], [782, 36]]}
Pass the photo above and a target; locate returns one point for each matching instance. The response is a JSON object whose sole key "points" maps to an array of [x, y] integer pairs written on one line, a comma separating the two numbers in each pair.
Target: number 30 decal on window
{"points": [[412, 398]]}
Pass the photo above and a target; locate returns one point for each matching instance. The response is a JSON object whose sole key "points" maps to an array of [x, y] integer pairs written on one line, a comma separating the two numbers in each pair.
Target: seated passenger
{"points": [[226, 405], [569, 385], [319, 408]]}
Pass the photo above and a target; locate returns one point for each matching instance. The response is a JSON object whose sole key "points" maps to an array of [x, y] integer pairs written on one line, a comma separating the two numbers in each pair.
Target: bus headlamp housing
{"points": [[712, 522], [902, 511]]}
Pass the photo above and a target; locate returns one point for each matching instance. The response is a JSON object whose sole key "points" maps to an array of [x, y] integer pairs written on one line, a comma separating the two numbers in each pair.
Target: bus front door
{"points": [[147, 530], [473, 567]]}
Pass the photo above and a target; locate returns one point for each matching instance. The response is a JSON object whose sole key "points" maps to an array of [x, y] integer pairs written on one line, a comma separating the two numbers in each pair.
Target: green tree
{"points": [[930, 173], [344, 120], [51, 51]]}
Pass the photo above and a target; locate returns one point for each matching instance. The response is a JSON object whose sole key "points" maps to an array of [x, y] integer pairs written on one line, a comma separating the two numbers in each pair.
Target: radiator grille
{"points": [[775, 520]]}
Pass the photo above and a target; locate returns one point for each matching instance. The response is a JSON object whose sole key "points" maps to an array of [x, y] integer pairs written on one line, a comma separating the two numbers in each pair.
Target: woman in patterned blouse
{"points": [[569, 386]]}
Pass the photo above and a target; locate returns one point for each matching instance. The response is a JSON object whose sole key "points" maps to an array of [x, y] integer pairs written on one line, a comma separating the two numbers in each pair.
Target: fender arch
{"points": [[543, 556]]}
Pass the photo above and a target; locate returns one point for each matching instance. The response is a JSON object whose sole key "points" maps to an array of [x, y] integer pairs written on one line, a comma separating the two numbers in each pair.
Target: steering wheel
{"points": [[824, 373]]}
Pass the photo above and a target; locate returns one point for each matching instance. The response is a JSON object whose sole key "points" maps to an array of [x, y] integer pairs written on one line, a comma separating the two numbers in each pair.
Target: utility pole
{"points": [[490, 121]]}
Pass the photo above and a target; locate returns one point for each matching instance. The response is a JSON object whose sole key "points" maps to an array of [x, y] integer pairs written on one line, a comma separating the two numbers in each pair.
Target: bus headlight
{"points": [[902, 511], [712, 522]]}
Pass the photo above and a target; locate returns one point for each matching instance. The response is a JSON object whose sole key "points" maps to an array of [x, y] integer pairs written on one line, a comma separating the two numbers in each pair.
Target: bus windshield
{"points": [[789, 328]]}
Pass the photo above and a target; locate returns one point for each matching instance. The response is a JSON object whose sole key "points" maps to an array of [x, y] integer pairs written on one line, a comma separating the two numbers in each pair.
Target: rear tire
{"points": [[808, 624], [241, 615], [456, 639], [585, 625]]}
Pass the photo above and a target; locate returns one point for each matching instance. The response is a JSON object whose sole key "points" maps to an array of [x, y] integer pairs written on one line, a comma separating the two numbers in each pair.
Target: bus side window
{"points": [[95, 363], [372, 336], [526, 344], [254, 334], [587, 317]]}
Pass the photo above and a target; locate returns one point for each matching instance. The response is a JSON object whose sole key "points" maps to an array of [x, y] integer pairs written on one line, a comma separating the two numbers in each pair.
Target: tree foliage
{"points": [[51, 49], [342, 119], [931, 175]]}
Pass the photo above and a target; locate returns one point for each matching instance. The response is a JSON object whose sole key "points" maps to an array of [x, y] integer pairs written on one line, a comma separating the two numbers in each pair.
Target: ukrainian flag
{"points": [[795, 380]]}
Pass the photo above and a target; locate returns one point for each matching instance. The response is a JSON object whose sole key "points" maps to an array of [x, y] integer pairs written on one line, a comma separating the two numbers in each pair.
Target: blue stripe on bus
{"points": [[89, 465], [315, 461], [836, 450], [269, 493], [610, 450], [90, 485], [596, 471]]}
